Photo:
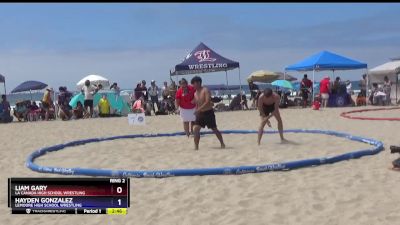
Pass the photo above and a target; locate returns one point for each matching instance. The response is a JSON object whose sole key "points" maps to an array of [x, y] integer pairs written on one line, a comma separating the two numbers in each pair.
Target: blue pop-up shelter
{"points": [[325, 60], [203, 59]]}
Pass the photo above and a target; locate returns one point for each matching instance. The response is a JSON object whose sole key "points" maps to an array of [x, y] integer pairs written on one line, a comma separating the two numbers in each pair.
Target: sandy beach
{"points": [[361, 191]]}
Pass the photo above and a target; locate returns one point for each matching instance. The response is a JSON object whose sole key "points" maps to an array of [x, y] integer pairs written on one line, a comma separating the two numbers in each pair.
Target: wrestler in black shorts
{"points": [[88, 103], [206, 118]]}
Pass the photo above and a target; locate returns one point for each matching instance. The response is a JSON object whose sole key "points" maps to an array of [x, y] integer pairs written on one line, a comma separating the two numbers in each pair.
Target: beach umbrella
{"points": [[282, 84], [94, 80], [263, 76], [29, 85]]}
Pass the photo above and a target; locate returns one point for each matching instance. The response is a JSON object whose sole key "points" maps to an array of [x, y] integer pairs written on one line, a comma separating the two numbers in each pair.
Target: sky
{"points": [[60, 43]]}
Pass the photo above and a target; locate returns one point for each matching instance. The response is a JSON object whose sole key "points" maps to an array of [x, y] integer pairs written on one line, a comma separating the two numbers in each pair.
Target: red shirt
{"points": [[307, 83], [324, 86], [186, 99]]}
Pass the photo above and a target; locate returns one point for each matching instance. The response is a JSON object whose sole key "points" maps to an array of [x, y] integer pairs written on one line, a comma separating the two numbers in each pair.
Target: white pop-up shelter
{"points": [[392, 71]]}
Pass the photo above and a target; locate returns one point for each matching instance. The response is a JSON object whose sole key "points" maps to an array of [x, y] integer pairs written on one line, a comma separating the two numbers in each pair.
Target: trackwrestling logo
{"points": [[204, 56]]}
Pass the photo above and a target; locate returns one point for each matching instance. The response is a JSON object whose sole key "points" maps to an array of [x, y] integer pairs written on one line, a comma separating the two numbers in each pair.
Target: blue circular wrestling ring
{"points": [[378, 146]]}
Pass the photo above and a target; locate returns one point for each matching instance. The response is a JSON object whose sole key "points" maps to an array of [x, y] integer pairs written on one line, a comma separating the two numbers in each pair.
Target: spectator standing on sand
{"points": [[305, 88], [116, 90], [324, 89], [253, 93], [5, 116], [88, 91], [363, 85], [165, 91], [47, 102], [153, 92], [184, 101], [137, 92], [387, 88]]}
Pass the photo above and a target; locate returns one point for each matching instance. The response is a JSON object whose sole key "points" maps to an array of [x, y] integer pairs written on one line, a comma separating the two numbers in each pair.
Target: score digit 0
{"points": [[119, 190]]}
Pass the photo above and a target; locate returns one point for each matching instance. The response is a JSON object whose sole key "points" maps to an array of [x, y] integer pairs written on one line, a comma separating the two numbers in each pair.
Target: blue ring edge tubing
{"points": [[201, 171]]}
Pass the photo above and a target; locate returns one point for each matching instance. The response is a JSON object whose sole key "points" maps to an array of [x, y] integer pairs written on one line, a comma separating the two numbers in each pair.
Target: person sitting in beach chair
{"points": [[21, 111], [235, 103], [243, 102], [284, 102], [361, 99], [34, 112], [138, 106], [377, 97], [216, 99], [78, 112]]}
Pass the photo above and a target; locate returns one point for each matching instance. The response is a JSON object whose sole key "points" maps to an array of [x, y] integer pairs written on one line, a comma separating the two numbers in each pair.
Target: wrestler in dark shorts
{"points": [[206, 118], [88, 103]]}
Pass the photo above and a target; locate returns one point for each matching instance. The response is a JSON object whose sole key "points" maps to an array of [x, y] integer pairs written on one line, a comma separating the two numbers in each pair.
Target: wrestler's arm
{"points": [[260, 106]]}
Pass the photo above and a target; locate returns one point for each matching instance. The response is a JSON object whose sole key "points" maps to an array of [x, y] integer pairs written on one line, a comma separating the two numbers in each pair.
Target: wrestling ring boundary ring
{"points": [[345, 114], [284, 166]]}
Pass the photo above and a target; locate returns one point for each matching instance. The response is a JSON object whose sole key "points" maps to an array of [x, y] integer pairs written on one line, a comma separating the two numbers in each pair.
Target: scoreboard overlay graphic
{"points": [[69, 195]]}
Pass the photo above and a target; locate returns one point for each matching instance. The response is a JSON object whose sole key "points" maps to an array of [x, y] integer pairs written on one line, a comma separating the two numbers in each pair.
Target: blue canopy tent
{"points": [[325, 60], [205, 60]]}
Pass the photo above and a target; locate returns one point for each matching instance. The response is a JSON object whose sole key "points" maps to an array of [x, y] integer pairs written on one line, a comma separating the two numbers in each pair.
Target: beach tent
{"points": [[391, 70], [116, 102], [94, 80], [324, 61], [3, 80], [203, 59]]}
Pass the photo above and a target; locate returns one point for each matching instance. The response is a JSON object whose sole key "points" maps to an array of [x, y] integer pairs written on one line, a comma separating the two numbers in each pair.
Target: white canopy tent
{"points": [[391, 70]]}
